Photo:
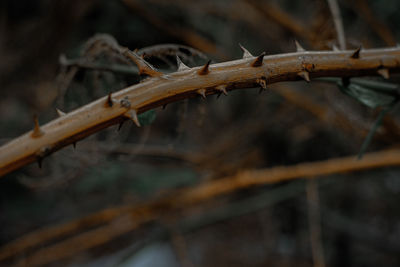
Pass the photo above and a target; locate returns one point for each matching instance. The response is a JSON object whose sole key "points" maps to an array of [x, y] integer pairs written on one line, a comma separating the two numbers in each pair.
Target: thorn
{"points": [[181, 65], [143, 66], [120, 125], [37, 132], [335, 48], [263, 83], [222, 89], [246, 53], [384, 73], [60, 113], [259, 60], [305, 75], [356, 53], [132, 115], [205, 69], [110, 101], [202, 92], [299, 48]]}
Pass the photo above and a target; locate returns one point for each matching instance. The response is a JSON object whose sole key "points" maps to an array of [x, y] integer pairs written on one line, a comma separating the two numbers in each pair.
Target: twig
{"points": [[377, 26], [314, 221], [188, 36], [82, 63], [282, 18], [178, 200], [334, 7]]}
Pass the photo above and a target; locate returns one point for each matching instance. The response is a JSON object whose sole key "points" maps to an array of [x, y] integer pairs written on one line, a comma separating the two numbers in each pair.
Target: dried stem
{"points": [[314, 222], [166, 88], [130, 218], [334, 7]]}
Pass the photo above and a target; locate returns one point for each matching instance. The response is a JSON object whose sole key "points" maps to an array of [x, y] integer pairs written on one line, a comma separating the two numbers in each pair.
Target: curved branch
{"points": [[209, 79]]}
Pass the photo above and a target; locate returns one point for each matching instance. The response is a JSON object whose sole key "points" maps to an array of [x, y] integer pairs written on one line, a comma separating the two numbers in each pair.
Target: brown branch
{"points": [[190, 37], [161, 89], [132, 217]]}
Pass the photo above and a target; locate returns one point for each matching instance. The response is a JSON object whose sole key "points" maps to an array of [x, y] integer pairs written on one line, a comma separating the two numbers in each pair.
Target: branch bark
{"points": [[189, 82]]}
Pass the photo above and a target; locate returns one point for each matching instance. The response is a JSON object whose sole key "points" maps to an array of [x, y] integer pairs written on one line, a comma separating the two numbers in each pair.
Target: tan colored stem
{"points": [[131, 217], [157, 91]]}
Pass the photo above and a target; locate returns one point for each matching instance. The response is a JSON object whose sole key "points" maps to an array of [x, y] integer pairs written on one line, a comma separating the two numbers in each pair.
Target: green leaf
{"points": [[147, 117], [369, 96]]}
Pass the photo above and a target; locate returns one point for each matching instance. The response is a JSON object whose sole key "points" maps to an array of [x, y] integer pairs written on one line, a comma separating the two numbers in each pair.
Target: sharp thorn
{"points": [[60, 113], [259, 60], [143, 66], [202, 92], [181, 65], [205, 69], [37, 132], [305, 75], [222, 89], [356, 53], [132, 115], [384, 73], [299, 48], [246, 53], [110, 101]]}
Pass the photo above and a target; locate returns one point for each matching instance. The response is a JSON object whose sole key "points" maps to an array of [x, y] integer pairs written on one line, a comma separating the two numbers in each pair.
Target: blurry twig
{"points": [[184, 52], [177, 200], [314, 221], [337, 119], [334, 7], [282, 18], [83, 63], [377, 26], [188, 36], [180, 247]]}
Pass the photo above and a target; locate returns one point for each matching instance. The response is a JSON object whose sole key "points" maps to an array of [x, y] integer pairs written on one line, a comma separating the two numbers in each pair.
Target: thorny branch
{"points": [[161, 89]]}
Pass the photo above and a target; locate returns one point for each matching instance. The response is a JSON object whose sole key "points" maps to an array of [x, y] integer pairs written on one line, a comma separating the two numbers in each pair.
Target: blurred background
{"points": [[73, 211]]}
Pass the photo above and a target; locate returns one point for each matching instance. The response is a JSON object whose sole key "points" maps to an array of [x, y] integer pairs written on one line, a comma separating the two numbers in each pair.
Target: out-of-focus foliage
{"points": [[45, 65]]}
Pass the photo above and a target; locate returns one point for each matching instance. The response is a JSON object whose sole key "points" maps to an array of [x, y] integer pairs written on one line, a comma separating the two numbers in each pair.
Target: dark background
{"points": [[195, 140]]}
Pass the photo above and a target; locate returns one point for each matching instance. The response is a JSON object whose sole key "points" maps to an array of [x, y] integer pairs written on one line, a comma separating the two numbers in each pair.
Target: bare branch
{"points": [[166, 88]]}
